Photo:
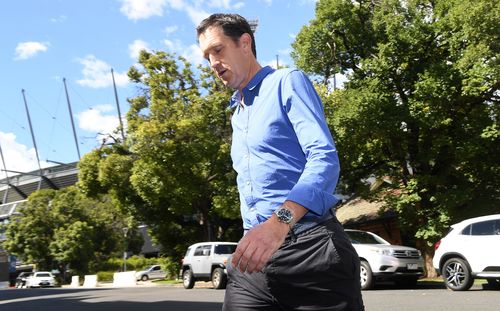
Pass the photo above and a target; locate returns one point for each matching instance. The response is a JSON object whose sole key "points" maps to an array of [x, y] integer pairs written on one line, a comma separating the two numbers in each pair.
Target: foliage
{"points": [[173, 171], [138, 263], [420, 106], [60, 228]]}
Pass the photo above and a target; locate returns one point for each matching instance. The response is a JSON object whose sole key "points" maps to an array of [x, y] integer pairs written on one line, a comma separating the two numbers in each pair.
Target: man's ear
{"points": [[246, 42]]}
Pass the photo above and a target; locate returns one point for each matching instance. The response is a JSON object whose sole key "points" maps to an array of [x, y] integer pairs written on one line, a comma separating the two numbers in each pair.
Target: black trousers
{"points": [[316, 270]]}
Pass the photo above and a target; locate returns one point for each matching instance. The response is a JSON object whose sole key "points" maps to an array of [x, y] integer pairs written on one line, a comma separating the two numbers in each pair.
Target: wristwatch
{"points": [[284, 215]]}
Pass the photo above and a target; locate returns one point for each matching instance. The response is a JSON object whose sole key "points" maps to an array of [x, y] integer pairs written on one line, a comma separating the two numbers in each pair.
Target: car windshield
{"points": [[359, 237], [43, 275], [225, 248]]}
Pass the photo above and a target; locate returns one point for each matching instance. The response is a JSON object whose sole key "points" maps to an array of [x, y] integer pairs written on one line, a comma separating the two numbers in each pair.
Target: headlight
{"points": [[384, 251]]}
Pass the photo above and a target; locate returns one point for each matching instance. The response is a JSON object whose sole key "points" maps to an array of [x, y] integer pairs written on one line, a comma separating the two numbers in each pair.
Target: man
{"points": [[294, 254]]}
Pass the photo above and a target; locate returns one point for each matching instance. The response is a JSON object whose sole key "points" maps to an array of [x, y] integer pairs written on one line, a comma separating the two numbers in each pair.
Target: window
{"points": [[203, 250], [466, 230], [484, 228], [359, 237], [225, 249]]}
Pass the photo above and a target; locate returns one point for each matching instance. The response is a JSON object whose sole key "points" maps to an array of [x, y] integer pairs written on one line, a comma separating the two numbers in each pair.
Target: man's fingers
{"points": [[238, 253]]}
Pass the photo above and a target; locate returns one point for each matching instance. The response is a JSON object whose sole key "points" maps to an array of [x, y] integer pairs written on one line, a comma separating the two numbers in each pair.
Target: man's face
{"points": [[227, 58]]}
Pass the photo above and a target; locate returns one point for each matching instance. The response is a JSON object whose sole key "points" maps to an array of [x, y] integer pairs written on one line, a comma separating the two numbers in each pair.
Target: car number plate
{"points": [[412, 266]]}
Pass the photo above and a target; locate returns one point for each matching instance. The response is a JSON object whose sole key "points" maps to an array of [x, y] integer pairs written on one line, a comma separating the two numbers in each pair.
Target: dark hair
{"points": [[233, 26]]}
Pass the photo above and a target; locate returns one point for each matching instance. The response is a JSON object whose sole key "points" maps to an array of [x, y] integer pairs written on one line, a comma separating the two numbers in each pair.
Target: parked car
{"points": [[382, 261], [21, 279], [41, 279], [470, 250], [206, 261], [151, 272]]}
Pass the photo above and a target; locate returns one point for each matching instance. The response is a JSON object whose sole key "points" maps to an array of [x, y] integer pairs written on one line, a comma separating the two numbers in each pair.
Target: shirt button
{"points": [[248, 183]]}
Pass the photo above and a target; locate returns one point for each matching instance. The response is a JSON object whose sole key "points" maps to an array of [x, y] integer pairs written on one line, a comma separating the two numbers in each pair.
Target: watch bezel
{"points": [[284, 215]]}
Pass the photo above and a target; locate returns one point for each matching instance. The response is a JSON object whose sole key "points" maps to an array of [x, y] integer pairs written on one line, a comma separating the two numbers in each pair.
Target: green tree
{"points": [[420, 106], [65, 228], [173, 171]]}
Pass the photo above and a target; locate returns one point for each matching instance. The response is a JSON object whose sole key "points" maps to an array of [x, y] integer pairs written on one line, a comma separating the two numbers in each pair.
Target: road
{"points": [[176, 298]]}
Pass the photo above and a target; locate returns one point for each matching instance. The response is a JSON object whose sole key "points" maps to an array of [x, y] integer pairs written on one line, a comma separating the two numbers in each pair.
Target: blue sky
{"points": [[44, 41]]}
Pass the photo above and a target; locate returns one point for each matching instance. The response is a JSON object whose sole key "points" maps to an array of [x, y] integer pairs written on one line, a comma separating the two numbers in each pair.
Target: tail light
{"points": [[436, 246]]}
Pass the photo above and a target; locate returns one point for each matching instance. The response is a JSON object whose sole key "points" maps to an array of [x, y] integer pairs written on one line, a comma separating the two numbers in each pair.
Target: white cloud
{"points": [[25, 50], [177, 4], [101, 119], [196, 14], [136, 47], [97, 74], [226, 4], [192, 53], [170, 29], [59, 19], [18, 157], [142, 9]]}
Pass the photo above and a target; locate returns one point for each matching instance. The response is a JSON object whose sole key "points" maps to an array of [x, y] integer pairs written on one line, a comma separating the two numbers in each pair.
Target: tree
{"points": [[420, 106], [173, 171], [65, 228]]}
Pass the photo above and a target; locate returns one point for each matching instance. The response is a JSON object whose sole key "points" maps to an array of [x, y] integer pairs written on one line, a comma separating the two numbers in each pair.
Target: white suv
{"points": [[471, 250], [382, 261], [206, 261]]}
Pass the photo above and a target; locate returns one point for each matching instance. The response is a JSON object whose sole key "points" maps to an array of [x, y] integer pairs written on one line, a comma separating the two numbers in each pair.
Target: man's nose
{"points": [[214, 62]]}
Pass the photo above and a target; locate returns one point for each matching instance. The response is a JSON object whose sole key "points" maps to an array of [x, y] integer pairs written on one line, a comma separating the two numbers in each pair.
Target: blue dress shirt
{"points": [[282, 148]]}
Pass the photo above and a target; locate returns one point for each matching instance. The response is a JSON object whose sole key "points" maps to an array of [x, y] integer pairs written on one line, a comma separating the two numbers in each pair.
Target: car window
{"points": [[466, 230], [225, 249], [203, 250], [484, 228], [157, 268], [358, 237]]}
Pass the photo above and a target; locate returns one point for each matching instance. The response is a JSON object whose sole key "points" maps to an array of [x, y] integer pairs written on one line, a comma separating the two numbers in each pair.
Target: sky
{"points": [[43, 42]]}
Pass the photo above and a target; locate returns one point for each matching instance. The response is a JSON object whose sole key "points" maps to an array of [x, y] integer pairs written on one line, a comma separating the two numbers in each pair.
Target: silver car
{"points": [[151, 272], [382, 261]]}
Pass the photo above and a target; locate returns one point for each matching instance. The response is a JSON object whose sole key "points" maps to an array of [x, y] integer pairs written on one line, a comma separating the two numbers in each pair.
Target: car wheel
{"points": [[366, 275], [145, 277], [188, 279], [219, 278], [456, 274]]}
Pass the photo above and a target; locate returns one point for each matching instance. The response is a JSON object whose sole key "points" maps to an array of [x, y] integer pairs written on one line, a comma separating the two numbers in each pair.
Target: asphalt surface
{"points": [[167, 297]]}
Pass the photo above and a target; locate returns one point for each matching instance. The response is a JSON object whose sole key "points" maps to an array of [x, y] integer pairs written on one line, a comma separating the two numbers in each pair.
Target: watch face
{"points": [[284, 215]]}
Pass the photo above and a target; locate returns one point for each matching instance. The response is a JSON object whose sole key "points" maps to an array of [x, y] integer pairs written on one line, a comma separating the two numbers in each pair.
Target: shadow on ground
{"points": [[76, 303]]}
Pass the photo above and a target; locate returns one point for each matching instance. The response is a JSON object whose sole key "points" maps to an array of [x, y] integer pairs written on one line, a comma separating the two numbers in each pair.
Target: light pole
{"points": [[125, 230]]}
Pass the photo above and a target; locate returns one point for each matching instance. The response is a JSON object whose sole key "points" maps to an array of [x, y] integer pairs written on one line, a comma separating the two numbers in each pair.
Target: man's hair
{"points": [[233, 26]]}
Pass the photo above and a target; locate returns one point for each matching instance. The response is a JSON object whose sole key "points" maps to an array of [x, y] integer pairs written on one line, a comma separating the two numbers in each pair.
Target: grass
{"points": [[167, 282]]}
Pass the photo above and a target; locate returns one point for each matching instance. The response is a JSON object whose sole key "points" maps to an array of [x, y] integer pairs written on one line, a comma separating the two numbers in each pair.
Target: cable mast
{"points": [[33, 138], [71, 118], [118, 106]]}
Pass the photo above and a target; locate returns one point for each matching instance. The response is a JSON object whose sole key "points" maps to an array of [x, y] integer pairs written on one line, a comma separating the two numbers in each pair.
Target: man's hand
{"points": [[259, 244], [262, 241]]}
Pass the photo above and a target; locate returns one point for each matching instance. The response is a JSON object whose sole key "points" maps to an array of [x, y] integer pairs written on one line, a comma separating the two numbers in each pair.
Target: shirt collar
{"points": [[256, 80]]}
